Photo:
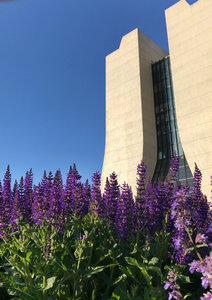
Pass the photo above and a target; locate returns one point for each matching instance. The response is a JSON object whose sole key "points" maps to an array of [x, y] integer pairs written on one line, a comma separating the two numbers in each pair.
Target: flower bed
{"points": [[71, 242]]}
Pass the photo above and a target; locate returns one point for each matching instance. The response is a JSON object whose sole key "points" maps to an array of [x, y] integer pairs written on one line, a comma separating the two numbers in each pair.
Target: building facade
{"points": [[159, 104], [189, 30]]}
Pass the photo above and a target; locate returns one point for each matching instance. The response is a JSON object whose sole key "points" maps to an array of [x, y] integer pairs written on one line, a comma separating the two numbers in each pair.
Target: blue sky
{"points": [[52, 78]]}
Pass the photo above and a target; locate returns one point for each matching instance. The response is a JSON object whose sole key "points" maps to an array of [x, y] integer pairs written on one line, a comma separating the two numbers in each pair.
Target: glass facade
{"points": [[168, 140]]}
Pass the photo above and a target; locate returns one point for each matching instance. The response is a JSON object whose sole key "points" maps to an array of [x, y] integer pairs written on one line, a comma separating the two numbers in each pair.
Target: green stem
{"points": [[110, 280], [90, 255], [195, 248], [44, 285]]}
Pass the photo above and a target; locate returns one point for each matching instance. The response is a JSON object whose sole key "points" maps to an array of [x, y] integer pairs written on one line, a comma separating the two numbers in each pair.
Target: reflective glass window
{"points": [[172, 125], [174, 148], [171, 115], [173, 135], [169, 93], [167, 134], [181, 172]]}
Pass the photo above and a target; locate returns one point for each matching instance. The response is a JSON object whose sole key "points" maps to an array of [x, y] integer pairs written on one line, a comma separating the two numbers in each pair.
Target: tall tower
{"points": [[130, 115], [190, 43]]}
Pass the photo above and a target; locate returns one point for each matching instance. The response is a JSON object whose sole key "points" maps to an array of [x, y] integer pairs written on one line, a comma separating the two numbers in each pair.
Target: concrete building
{"points": [[154, 109], [189, 30]]}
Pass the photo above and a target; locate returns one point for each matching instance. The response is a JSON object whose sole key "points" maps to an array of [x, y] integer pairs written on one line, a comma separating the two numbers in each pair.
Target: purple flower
{"points": [[141, 175], [167, 285], [207, 296], [106, 197], [1, 210], [204, 267], [200, 238], [82, 237], [7, 196], [28, 195], [173, 286], [38, 206], [68, 191], [21, 198], [193, 266], [205, 281], [199, 204], [113, 199], [56, 196], [175, 295], [96, 204], [121, 213], [140, 199], [15, 213]]}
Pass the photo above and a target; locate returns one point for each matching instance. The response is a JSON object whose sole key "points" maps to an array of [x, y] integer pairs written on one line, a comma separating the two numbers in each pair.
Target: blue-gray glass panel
{"points": [[166, 124]]}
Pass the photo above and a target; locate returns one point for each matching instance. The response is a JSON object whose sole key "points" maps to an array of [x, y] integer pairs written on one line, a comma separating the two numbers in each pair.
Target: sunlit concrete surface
{"points": [[130, 116], [190, 43]]}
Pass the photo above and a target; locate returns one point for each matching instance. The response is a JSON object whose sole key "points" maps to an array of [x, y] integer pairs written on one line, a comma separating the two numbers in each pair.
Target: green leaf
{"points": [[187, 295], [201, 245], [132, 261], [28, 256], [145, 261], [60, 264], [36, 239], [157, 270], [197, 246], [120, 278], [93, 297], [21, 294], [184, 278], [114, 296], [96, 270], [153, 261], [50, 282]]}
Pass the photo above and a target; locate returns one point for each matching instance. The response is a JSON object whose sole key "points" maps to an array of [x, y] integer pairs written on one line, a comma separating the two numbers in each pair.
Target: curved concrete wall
{"points": [[130, 119], [190, 43]]}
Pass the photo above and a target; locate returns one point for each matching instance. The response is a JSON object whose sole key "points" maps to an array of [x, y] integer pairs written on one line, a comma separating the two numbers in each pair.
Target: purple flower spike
{"points": [[15, 213], [96, 205], [7, 196], [140, 201], [56, 196], [207, 296], [121, 213], [173, 286], [204, 267], [28, 195], [114, 196]]}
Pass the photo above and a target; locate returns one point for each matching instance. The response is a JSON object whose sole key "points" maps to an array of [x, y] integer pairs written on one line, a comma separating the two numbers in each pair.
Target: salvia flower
{"points": [[207, 296], [113, 199], [173, 286], [1, 210], [15, 213], [28, 181], [181, 216], [140, 201], [121, 213], [56, 196], [96, 204], [7, 196], [38, 206], [204, 267], [106, 197], [199, 203]]}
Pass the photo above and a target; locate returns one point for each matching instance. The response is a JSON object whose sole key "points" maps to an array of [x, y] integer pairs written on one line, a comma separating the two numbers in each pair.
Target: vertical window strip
{"points": [[167, 126]]}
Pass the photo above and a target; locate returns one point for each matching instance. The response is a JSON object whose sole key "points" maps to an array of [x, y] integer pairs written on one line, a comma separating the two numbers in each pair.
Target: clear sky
{"points": [[52, 78]]}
